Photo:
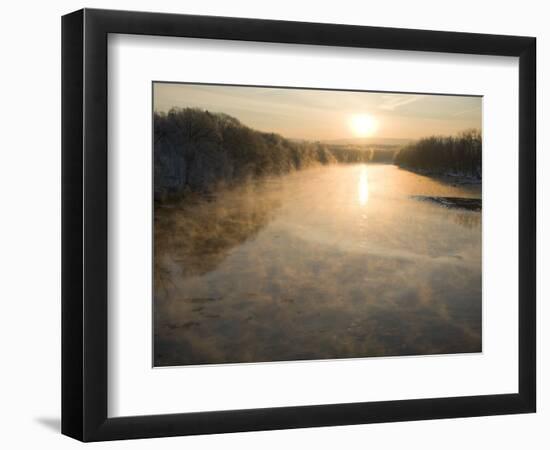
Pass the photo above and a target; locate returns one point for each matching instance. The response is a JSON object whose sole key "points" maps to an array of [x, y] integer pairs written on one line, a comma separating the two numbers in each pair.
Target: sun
{"points": [[363, 125]]}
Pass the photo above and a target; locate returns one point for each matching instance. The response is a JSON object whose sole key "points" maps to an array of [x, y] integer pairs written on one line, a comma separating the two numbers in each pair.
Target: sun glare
{"points": [[363, 125]]}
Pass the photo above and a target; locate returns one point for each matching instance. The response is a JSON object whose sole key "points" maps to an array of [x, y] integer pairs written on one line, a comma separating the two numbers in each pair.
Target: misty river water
{"points": [[341, 261]]}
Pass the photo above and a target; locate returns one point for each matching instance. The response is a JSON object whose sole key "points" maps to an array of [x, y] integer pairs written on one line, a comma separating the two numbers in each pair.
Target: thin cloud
{"points": [[391, 102]]}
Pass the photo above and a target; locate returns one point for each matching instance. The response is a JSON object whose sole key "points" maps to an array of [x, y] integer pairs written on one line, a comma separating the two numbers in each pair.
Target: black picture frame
{"points": [[84, 224]]}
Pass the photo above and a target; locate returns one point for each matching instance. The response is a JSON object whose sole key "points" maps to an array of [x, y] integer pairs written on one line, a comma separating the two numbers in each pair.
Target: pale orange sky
{"points": [[325, 115]]}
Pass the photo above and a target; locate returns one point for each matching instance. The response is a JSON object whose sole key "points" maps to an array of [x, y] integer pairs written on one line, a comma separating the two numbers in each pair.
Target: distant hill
{"points": [[370, 141]]}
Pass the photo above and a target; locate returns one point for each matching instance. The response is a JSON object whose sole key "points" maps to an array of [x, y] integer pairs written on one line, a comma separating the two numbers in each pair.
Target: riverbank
{"points": [[452, 178]]}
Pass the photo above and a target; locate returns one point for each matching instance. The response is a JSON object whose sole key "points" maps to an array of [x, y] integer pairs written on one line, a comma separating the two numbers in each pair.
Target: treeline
{"points": [[444, 155], [198, 151]]}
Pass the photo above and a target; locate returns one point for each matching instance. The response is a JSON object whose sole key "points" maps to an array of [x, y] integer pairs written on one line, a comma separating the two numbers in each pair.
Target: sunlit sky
{"points": [[328, 115]]}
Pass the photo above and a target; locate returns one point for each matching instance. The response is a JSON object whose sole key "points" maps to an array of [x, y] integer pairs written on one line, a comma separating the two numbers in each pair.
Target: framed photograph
{"points": [[273, 224]]}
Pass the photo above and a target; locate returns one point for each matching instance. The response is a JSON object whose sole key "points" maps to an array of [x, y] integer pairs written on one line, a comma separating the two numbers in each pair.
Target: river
{"points": [[341, 261]]}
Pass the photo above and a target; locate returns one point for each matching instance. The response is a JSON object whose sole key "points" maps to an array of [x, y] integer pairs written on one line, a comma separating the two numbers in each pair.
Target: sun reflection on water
{"points": [[363, 187]]}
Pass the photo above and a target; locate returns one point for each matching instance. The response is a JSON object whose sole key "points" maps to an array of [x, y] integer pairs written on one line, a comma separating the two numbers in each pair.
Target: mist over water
{"points": [[341, 261]]}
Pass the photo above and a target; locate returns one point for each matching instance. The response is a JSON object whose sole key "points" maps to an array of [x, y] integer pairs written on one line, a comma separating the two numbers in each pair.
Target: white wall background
{"points": [[30, 222]]}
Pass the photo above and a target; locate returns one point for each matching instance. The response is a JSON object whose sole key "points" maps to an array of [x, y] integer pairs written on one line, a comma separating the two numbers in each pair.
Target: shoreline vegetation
{"points": [[450, 157], [201, 151], [197, 151]]}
